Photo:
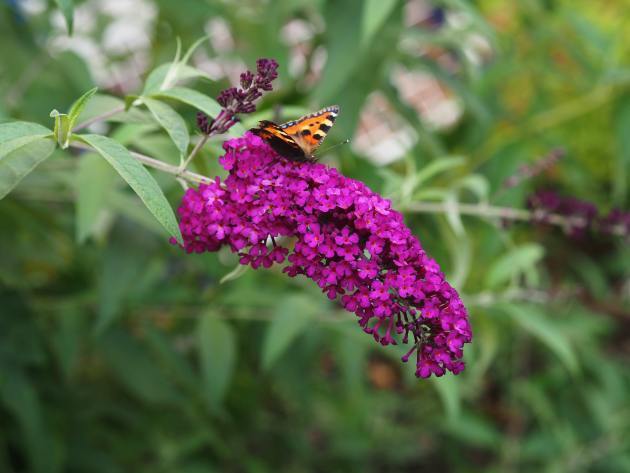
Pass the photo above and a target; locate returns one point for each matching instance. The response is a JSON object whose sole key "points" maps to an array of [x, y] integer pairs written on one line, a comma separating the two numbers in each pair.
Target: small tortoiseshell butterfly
{"points": [[297, 140]]}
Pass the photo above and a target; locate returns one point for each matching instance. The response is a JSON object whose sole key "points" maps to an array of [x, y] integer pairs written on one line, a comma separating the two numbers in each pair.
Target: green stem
{"points": [[506, 213], [159, 165], [194, 151]]}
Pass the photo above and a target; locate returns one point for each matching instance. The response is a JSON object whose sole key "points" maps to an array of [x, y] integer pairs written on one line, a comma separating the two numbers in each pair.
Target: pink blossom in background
{"points": [[347, 239]]}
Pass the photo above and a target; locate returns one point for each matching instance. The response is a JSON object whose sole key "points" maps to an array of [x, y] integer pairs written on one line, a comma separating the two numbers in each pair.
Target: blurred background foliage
{"points": [[118, 352]]}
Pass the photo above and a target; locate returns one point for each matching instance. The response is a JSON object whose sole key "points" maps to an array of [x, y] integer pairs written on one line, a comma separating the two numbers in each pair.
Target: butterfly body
{"points": [[297, 140]]}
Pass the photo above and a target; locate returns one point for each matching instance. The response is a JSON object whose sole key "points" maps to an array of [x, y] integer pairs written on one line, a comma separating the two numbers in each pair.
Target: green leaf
{"points": [[138, 178], [449, 392], [292, 317], [14, 135], [123, 262], [542, 327], [167, 75], [344, 33], [217, 356], [452, 214], [127, 205], [436, 167], [62, 128], [135, 369], [171, 121], [15, 165], [622, 156], [67, 339], [375, 12], [67, 8], [191, 97], [514, 262], [236, 273], [78, 107], [21, 399], [477, 184], [93, 182], [188, 54]]}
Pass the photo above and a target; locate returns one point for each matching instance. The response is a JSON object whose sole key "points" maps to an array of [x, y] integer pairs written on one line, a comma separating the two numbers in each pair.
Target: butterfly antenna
{"points": [[344, 142]]}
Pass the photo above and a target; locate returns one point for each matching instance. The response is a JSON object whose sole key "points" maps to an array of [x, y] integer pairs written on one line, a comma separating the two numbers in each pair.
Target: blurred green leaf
{"points": [[352, 358], [513, 263], [474, 429], [67, 341], [453, 216], [168, 75], [344, 31], [14, 135], [15, 165], [217, 354], [622, 159], [374, 15], [127, 205], [94, 180], [448, 389], [67, 8], [21, 399], [191, 97], [174, 361], [124, 260], [436, 167], [138, 178], [171, 121], [541, 326], [477, 184], [292, 317], [236, 273], [135, 369]]}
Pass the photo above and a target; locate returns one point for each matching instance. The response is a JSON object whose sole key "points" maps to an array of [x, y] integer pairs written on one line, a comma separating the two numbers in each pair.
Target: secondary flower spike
{"points": [[348, 240]]}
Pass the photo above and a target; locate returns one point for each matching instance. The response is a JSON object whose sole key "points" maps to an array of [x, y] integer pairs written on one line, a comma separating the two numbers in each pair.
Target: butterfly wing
{"points": [[309, 131], [279, 140]]}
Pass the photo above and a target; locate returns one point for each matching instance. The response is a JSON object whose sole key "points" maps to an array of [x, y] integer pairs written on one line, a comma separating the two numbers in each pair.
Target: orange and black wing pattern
{"points": [[297, 140], [279, 140], [309, 131]]}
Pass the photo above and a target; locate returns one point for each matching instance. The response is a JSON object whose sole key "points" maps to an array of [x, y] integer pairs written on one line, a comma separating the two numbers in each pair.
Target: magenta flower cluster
{"points": [[344, 237]]}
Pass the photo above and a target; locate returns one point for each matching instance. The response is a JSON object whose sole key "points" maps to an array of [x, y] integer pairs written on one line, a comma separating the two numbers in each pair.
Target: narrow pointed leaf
{"points": [[67, 8], [78, 106], [512, 263], [171, 121], [543, 327], [93, 181], [217, 356], [375, 12], [191, 97], [138, 178], [167, 75], [291, 319]]}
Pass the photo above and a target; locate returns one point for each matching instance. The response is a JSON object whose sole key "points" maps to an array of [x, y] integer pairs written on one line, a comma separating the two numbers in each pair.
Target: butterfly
{"points": [[297, 140]]}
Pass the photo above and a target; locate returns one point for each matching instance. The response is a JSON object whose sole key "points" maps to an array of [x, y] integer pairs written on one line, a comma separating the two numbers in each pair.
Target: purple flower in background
{"points": [[577, 216], [580, 214], [616, 222], [240, 100], [348, 240]]}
